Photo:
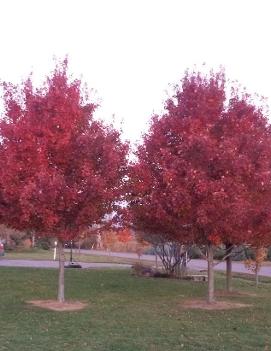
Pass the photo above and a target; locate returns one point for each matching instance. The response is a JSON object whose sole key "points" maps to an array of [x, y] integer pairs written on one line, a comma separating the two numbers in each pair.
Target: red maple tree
{"points": [[245, 133], [61, 169], [124, 235], [203, 170]]}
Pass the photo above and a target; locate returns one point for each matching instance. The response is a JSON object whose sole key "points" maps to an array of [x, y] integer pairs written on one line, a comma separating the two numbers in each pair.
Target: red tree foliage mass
{"points": [[61, 170], [124, 235], [203, 170]]}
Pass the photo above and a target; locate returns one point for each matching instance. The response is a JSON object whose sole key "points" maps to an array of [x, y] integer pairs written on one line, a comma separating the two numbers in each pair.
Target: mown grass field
{"points": [[127, 313]]}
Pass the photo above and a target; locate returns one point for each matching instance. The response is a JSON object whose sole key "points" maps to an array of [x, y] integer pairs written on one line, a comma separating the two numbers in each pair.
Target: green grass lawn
{"points": [[127, 313]]}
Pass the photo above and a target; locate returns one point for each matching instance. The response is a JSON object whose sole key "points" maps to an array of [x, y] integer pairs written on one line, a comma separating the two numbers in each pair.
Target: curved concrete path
{"points": [[54, 264], [198, 264]]}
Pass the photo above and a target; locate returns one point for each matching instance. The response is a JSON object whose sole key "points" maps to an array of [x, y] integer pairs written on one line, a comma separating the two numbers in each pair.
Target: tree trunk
{"points": [[60, 295], [156, 261], [184, 266], [228, 268], [210, 256], [177, 270], [257, 276], [71, 258], [33, 241], [79, 248]]}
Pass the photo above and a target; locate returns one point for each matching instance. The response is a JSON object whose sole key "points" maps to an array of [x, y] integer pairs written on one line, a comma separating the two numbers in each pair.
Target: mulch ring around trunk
{"points": [[59, 306], [217, 305]]}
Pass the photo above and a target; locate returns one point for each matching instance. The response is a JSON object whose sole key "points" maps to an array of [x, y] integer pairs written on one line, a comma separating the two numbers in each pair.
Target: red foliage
{"points": [[214, 239], [204, 168], [124, 235], [61, 170]]}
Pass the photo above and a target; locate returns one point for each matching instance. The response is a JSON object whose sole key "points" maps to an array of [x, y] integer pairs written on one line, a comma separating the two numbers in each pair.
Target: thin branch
{"points": [[224, 258], [202, 254]]}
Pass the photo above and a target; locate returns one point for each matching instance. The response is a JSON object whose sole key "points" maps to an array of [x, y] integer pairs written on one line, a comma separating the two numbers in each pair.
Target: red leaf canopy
{"points": [[203, 170], [61, 170]]}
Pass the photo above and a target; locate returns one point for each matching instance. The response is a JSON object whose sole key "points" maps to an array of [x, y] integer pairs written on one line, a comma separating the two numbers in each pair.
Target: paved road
{"points": [[198, 264], [54, 264], [237, 267]]}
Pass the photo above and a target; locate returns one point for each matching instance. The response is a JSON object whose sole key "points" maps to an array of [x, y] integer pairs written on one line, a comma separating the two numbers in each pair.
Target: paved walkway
{"points": [[54, 264], [197, 265], [237, 267]]}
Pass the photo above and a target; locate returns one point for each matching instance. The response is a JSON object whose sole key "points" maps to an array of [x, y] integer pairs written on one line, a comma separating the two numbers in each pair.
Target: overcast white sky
{"points": [[130, 50]]}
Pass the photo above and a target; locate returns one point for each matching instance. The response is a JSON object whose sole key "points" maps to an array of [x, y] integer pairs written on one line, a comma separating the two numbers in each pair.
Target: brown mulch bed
{"points": [[217, 305], [59, 306]]}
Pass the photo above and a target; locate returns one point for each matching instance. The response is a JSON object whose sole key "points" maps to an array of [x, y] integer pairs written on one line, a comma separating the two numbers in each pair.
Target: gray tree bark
{"points": [[257, 276], [61, 291], [33, 240], [228, 269], [211, 277]]}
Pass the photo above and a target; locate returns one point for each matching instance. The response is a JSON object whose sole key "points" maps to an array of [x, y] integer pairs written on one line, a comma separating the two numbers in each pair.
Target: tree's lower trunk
{"points": [[257, 276], [184, 266], [228, 268], [71, 258], [61, 295], [177, 270], [79, 248], [211, 278], [33, 241], [156, 261]]}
